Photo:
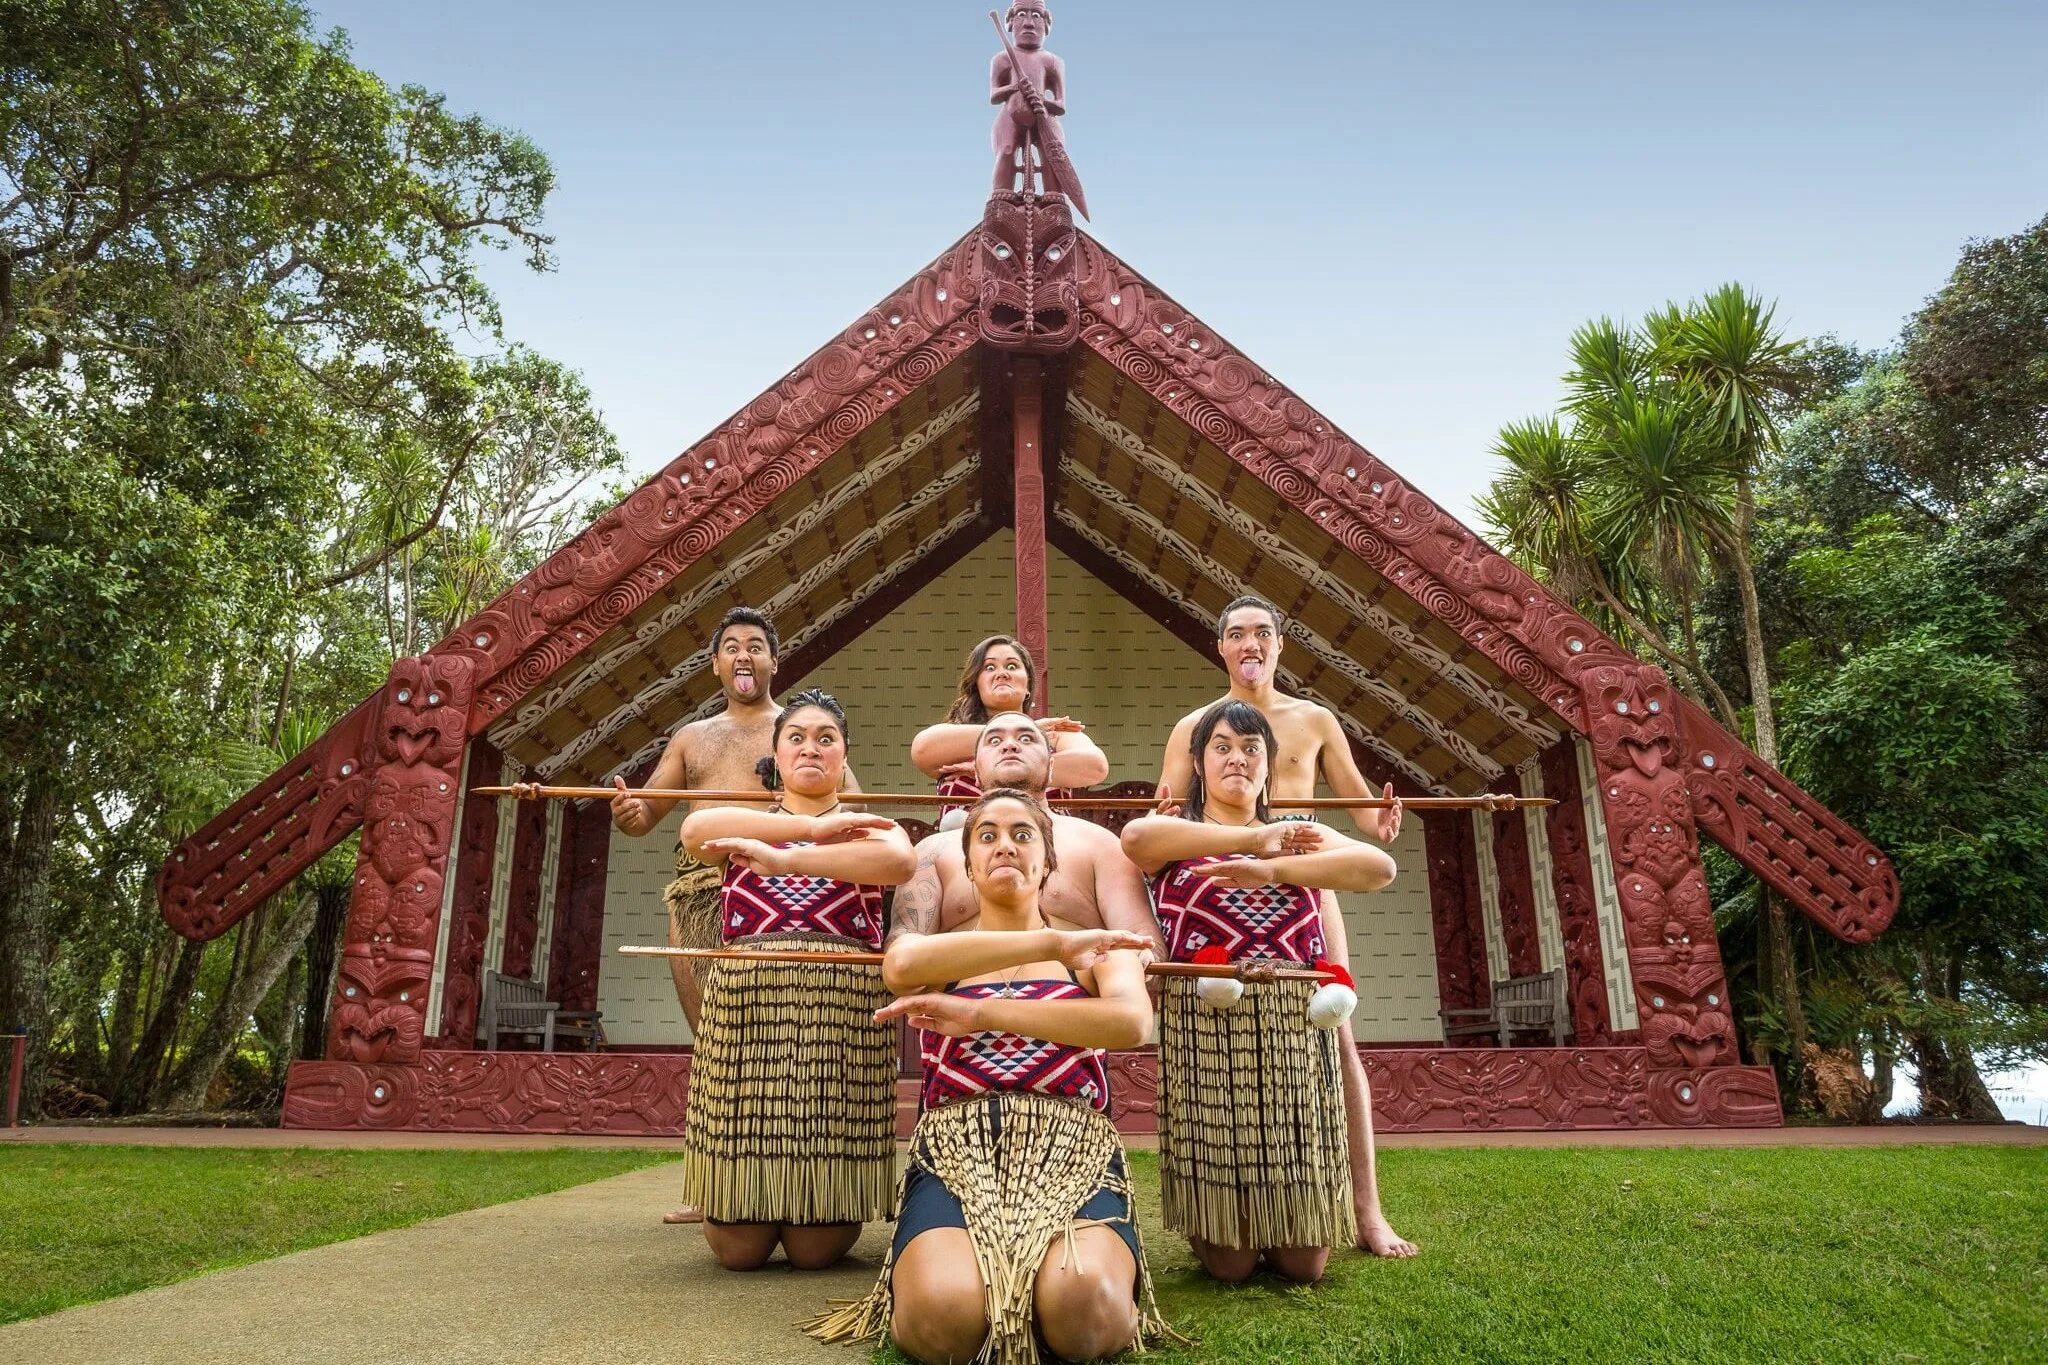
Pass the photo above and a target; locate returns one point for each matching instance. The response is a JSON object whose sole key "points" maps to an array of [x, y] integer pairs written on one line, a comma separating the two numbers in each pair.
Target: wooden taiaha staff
{"points": [[1494, 801], [1236, 971]]}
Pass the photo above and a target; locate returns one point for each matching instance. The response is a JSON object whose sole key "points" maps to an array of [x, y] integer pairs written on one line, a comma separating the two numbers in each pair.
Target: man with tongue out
{"points": [[1309, 744], [718, 753]]}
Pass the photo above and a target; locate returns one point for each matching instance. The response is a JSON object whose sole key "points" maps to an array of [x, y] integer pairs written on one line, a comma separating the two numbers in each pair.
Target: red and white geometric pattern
{"points": [[798, 904], [983, 1062], [1279, 922]]}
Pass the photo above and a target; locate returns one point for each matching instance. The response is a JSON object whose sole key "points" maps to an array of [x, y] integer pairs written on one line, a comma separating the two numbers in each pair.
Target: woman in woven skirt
{"points": [[1252, 1156], [997, 680], [790, 1136], [1015, 1224]]}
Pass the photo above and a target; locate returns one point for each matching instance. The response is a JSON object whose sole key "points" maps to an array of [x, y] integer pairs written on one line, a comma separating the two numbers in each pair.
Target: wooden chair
{"points": [[513, 1005], [1520, 1002]]}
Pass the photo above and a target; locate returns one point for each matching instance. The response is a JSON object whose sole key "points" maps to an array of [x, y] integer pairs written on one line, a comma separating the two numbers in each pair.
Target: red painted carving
{"points": [[1134, 1090], [561, 608], [279, 829], [470, 909], [1028, 482], [1681, 989], [1578, 916], [1514, 881], [522, 898], [1467, 1089], [1532, 636], [408, 826], [1028, 298], [495, 1092], [1803, 850], [1414, 1090], [1031, 86], [1461, 979], [579, 905], [715, 486]]}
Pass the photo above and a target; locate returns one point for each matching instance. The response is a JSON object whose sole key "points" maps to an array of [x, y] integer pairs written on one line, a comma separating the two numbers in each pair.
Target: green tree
{"points": [[230, 260]]}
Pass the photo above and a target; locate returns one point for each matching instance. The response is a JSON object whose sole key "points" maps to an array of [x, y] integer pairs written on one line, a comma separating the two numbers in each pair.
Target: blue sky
{"points": [[1401, 210]]}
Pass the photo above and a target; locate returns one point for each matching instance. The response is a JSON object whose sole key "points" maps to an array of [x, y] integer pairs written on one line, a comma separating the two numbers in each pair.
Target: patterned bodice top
{"points": [[979, 1063], [797, 904], [1280, 922]]}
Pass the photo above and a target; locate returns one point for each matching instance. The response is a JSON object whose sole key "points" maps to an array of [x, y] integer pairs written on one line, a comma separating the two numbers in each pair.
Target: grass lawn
{"points": [[79, 1223], [1849, 1254]]}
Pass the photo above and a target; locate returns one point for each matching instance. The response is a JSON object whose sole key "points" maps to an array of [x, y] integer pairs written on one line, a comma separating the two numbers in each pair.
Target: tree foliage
{"points": [[258, 436]]}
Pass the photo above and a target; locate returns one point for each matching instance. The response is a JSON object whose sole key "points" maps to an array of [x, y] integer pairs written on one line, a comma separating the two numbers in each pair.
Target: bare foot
{"points": [[1376, 1236], [690, 1213]]}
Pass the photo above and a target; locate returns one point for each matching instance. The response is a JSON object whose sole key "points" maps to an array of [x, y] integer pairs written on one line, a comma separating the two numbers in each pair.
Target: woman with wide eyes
{"points": [[790, 1135], [1015, 1224], [997, 680], [1254, 1161]]}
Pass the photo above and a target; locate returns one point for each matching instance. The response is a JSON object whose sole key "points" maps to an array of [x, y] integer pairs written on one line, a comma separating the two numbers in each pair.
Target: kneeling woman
{"points": [[790, 1136], [1253, 1161], [1016, 1221]]}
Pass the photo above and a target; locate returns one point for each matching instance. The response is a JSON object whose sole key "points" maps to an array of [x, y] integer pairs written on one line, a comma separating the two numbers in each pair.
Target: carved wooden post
{"points": [[1461, 979], [387, 956], [1681, 986], [1578, 914], [1028, 442], [470, 906], [1515, 882]]}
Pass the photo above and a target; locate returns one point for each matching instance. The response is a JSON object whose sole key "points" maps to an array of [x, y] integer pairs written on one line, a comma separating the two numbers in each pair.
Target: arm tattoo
{"points": [[916, 909]]}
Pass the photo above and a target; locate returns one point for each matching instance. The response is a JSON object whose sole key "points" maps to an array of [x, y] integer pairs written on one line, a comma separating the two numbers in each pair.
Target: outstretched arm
{"points": [[936, 746], [918, 962], [1153, 841], [1341, 771], [1119, 1016], [1077, 761], [848, 846], [633, 814], [1177, 766]]}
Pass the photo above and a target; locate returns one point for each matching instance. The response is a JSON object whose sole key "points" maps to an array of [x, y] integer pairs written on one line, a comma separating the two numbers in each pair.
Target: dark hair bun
{"points": [[765, 770]]}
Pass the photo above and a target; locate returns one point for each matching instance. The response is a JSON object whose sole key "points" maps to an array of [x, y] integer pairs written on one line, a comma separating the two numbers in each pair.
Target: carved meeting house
{"points": [[1031, 408]]}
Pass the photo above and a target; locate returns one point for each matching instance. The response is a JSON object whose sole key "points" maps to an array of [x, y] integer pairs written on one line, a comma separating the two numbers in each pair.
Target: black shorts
{"points": [[928, 1204]]}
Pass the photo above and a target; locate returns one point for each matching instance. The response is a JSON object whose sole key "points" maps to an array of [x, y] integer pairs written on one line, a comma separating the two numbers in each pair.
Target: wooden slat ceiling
{"points": [[1136, 483], [1147, 491]]}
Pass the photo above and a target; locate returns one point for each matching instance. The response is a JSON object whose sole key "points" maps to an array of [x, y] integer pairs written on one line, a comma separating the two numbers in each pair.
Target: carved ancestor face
{"points": [[426, 711], [1633, 708], [1029, 294], [1029, 21], [1686, 1017], [378, 1013]]}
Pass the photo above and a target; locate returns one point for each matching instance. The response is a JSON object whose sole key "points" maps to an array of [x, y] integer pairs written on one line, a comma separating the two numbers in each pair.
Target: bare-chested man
{"points": [[1310, 744], [1094, 887], [718, 753]]}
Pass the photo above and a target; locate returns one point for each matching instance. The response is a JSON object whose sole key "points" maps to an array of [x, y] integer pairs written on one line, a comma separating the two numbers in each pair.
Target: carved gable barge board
{"points": [[645, 668], [886, 566], [835, 581], [556, 612], [1496, 608]]}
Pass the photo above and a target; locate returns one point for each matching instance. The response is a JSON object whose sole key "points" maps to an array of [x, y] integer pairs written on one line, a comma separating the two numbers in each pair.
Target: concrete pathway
{"points": [[1887, 1135], [578, 1277]]}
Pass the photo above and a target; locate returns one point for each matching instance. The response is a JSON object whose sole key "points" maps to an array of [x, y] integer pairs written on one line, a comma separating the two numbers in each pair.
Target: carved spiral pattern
{"points": [[840, 368], [1211, 423], [921, 365]]}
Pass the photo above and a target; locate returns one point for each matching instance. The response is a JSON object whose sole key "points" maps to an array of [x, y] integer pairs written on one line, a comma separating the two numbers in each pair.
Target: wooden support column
{"points": [[1027, 449]]}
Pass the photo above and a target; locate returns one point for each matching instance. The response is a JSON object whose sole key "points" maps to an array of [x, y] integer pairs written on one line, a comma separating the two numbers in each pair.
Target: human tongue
{"points": [[1248, 669], [743, 683]]}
